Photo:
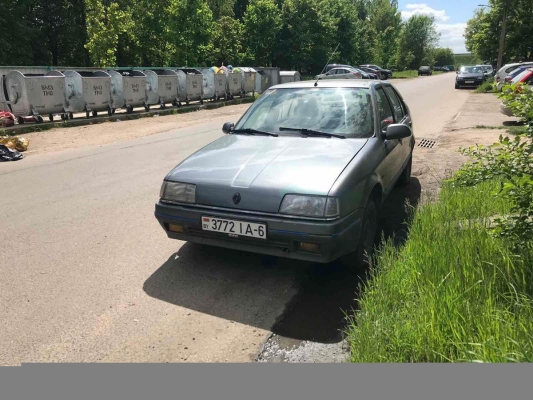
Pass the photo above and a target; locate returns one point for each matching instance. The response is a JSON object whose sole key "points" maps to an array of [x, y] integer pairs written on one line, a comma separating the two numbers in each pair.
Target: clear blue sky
{"points": [[450, 16]]}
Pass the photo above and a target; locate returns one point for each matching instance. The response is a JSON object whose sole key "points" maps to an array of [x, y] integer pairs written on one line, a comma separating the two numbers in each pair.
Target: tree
{"points": [[262, 24], [417, 40], [104, 24], [482, 34], [444, 56], [228, 41], [221, 8], [386, 21]]}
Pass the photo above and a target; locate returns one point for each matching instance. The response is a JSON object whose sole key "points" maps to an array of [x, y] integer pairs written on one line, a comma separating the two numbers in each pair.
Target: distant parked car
{"points": [[370, 71], [508, 68], [469, 76], [443, 69], [525, 77], [508, 79], [383, 73], [450, 67], [341, 73], [331, 66], [488, 71], [424, 70]]}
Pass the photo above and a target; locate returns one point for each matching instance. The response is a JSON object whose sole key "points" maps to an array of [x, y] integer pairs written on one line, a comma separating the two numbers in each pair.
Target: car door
{"points": [[401, 116], [389, 165]]}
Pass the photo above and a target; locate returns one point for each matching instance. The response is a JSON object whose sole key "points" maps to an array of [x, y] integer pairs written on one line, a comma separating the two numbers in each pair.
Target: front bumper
{"points": [[475, 83], [336, 238]]}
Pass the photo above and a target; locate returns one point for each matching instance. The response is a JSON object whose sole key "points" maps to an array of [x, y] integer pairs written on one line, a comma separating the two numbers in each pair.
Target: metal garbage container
{"points": [[221, 84], [234, 84], [133, 87], [90, 91], [4, 106], [162, 87], [190, 85], [273, 72], [262, 81], [289, 76], [208, 84], [248, 80], [36, 94]]}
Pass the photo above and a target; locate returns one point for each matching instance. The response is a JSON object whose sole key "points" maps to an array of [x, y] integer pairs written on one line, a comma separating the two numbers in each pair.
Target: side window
{"points": [[384, 109], [396, 104]]}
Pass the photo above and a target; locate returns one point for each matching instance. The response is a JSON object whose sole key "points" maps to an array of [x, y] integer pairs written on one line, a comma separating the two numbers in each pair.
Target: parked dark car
{"points": [[376, 74], [303, 174], [383, 73], [469, 76], [425, 70], [443, 69]]}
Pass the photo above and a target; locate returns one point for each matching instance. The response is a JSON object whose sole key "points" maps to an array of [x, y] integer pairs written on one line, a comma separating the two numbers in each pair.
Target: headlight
{"points": [[310, 206], [180, 192]]}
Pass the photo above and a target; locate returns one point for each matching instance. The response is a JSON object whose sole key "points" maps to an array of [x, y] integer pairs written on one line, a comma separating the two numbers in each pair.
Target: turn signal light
{"points": [[176, 228], [309, 247]]}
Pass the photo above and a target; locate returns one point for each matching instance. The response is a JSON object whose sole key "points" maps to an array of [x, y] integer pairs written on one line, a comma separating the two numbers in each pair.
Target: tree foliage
{"points": [[443, 56], [290, 34], [483, 30], [418, 38]]}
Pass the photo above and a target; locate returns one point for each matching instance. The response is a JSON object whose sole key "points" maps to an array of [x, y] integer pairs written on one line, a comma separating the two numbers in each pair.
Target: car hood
{"points": [[263, 169], [470, 75]]}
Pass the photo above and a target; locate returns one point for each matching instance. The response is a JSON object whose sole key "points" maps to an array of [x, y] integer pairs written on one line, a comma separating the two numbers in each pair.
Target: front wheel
{"points": [[367, 239]]}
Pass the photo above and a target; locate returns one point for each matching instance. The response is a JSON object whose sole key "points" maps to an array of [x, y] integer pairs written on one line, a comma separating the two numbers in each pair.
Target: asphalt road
{"points": [[88, 275]]}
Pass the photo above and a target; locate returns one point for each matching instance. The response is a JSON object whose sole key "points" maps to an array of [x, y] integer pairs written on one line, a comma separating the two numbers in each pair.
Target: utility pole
{"points": [[503, 31], [502, 36]]}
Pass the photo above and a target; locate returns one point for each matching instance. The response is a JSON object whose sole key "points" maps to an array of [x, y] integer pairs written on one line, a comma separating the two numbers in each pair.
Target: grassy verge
{"points": [[486, 87], [512, 130], [454, 293], [410, 73]]}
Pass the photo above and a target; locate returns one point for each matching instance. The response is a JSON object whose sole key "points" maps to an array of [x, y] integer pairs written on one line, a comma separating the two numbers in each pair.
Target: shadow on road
{"points": [[306, 301]]}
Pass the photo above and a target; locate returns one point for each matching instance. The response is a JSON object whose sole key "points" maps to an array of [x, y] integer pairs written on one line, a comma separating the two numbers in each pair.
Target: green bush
{"points": [[486, 87]]}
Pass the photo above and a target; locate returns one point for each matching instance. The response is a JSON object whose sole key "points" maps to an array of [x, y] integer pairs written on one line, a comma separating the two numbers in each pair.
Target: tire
{"points": [[64, 117], [147, 108], [405, 177], [109, 112], [457, 86], [39, 119], [95, 113], [129, 110], [87, 114], [201, 101], [367, 239], [20, 120], [70, 116], [51, 117]]}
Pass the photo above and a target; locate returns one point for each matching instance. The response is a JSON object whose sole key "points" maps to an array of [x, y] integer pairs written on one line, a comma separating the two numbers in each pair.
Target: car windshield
{"points": [[471, 70], [340, 111]]}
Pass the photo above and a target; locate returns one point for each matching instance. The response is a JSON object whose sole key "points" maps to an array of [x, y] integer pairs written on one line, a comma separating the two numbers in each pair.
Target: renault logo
{"points": [[236, 198]]}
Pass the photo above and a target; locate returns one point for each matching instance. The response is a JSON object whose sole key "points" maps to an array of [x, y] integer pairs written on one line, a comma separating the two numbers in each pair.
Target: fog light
{"points": [[176, 228], [309, 247]]}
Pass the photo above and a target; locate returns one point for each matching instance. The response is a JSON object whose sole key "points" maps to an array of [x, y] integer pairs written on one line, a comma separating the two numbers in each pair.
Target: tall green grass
{"points": [[453, 293]]}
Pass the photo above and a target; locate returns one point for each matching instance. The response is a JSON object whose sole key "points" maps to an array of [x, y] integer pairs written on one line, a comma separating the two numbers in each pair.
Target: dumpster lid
{"points": [[189, 71]]}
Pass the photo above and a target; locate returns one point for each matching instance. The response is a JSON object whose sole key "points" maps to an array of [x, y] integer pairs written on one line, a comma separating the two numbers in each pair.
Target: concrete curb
{"points": [[33, 127]]}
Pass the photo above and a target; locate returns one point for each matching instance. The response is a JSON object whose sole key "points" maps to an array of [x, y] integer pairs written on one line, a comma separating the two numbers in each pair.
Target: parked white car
{"points": [[508, 68], [341, 73]]}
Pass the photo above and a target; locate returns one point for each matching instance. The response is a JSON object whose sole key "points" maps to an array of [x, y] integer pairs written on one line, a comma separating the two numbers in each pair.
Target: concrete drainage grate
{"points": [[427, 144]]}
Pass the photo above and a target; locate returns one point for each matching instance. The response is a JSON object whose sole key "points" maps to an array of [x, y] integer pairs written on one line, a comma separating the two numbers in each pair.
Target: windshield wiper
{"points": [[312, 132], [250, 131]]}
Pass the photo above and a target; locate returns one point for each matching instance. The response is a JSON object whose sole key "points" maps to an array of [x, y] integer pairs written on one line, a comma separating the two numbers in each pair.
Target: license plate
{"points": [[469, 81], [234, 228]]}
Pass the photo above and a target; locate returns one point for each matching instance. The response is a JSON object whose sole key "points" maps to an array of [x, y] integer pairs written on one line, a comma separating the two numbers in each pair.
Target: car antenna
{"points": [[327, 62]]}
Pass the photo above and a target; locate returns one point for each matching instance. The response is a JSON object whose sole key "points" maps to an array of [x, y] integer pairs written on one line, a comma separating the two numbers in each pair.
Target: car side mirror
{"points": [[228, 127], [397, 131]]}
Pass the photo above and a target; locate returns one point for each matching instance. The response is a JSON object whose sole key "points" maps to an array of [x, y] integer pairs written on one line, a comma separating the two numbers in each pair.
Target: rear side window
{"points": [[396, 104], [384, 109]]}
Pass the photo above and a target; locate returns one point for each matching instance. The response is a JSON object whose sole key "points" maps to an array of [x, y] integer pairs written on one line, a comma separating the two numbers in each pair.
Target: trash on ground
{"points": [[15, 142], [7, 154]]}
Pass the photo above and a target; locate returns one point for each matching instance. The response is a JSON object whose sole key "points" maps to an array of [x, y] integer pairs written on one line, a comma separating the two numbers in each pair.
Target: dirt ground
{"points": [[110, 132]]}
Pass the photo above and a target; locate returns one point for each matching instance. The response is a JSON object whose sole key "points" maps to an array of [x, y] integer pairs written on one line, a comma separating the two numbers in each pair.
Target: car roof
{"points": [[330, 83]]}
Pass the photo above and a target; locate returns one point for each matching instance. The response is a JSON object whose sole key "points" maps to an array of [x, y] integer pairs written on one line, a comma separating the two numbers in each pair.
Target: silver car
{"points": [[302, 174], [341, 73]]}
